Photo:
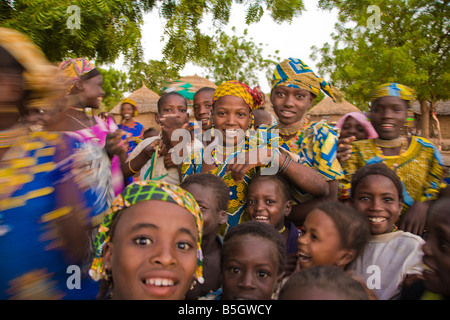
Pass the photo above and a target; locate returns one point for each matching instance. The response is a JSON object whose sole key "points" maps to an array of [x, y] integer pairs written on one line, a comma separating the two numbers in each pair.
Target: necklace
{"points": [[81, 123], [403, 147], [394, 143], [78, 109], [292, 128]]}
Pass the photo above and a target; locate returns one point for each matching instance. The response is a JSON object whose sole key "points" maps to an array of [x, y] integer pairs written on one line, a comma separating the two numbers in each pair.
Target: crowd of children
{"points": [[240, 205]]}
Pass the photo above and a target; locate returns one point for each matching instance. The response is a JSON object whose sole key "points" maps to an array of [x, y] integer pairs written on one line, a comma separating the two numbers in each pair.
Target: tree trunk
{"points": [[438, 125], [425, 118]]}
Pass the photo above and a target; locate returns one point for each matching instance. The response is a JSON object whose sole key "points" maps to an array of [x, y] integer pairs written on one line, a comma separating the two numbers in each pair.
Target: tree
{"points": [[103, 29], [233, 57], [114, 85], [405, 41], [100, 30], [186, 42], [154, 74]]}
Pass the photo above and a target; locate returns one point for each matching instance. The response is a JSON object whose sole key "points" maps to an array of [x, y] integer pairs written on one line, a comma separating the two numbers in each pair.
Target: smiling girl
{"points": [[416, 161], [294, 88], [236, 155], [377, 194], [148, 245]]}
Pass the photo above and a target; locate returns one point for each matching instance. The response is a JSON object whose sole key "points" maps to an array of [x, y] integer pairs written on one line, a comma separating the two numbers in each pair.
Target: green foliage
{"points": [[99, 30], [154, 74], [104, 29], [114, 85], [410, 46], [235, 57]]}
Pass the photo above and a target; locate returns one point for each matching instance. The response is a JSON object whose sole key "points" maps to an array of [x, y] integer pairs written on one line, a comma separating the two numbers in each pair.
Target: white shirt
{"points": [[386, 261], [160, 169]]}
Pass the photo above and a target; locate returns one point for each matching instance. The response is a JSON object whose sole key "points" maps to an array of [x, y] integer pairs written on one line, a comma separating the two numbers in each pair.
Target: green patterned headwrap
{"points": [[144, 191]]}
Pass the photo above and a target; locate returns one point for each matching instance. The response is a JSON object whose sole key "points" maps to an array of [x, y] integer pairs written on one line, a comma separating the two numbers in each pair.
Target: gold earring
{"points": [[193, 283]]}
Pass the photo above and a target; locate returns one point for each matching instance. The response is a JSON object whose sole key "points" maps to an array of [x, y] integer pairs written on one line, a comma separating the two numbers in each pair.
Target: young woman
{"points": [[294, 88], [415, 160], [236, 155]]}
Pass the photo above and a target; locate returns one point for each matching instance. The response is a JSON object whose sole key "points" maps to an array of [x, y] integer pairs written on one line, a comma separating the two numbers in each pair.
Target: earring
{"points": [[193, 283], [107, 273]]}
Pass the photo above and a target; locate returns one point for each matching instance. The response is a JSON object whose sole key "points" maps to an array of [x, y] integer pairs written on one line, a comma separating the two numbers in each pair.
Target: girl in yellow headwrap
{"points": [[294, 88], [415, 160], [237, 154]]}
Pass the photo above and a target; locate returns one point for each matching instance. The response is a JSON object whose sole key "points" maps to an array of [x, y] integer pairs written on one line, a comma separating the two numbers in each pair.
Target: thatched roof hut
{"points": [[442, 113], [330, 111], [146, 101]]}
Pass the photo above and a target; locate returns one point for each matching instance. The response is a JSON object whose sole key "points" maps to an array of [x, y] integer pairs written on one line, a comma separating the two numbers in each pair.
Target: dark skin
{"points": [[171, 117], [213, 218], [388, 117], [233, 113], [70, 227], [290, 106]]}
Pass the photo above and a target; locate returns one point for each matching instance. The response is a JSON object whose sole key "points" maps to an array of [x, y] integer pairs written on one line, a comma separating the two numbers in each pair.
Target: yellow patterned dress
{"points": [[420, 168], [237, 212]]}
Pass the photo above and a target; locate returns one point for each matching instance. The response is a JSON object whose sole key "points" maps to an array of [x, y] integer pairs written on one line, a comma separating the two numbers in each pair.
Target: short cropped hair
{"points": [[210, 181], [353, 227], [376, 168], [255, 229], [328, 278]]}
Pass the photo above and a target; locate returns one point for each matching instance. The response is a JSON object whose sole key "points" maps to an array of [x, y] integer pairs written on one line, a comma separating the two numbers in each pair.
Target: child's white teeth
{"points": [[159, 282], [377, 219], [258, 218]]}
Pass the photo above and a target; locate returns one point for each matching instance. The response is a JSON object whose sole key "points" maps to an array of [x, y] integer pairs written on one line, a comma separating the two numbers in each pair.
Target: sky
{"points": [[294, 40]]}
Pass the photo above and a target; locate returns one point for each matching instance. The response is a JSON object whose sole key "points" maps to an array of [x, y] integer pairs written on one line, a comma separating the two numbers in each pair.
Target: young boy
{"points": [[212, 195], [172, 114]]}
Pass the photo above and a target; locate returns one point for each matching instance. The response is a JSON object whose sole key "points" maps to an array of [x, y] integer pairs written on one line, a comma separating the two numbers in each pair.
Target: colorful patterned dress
{"points": [[316, 145], [33, 264], [237, 207], [420, 168], [136, 131]]}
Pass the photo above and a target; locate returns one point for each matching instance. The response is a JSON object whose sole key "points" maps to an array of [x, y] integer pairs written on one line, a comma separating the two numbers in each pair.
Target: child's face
{"points": [[174, 105], [92, 91], [267, 204], [320, 242], [212, 216], [250, 269], [388, 116], [351, 127], [153, 254], [232, 117], [203, 107], [377, 197], [290, 104], [437, 254]]}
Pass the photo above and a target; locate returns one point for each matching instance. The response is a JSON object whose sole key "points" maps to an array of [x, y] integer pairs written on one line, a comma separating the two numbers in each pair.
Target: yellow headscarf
{"points": [[253, 97], [393, 90]]}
